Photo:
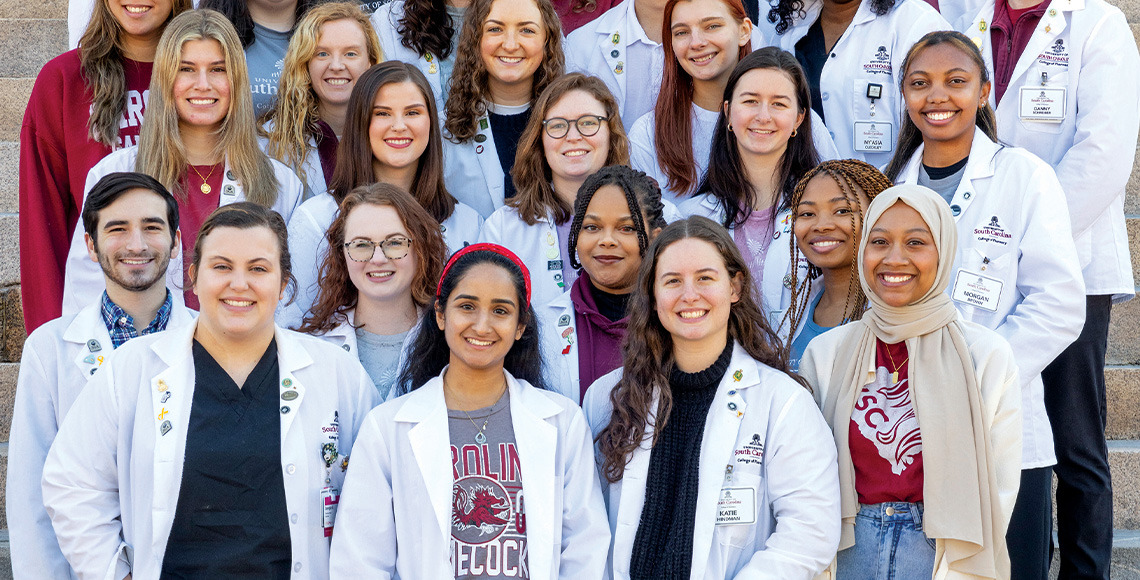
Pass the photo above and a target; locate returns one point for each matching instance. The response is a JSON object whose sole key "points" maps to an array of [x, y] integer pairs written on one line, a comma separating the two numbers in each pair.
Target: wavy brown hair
{"points": [[851, 176], [673, 114], [337, 294], [354, 153], [647, 350], [469, 87], [162, 153], [535, 198], [294, 115], [101, 62]]}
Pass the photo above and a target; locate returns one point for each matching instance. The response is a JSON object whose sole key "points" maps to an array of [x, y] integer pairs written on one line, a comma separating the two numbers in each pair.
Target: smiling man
{"points": [[131, 222]]}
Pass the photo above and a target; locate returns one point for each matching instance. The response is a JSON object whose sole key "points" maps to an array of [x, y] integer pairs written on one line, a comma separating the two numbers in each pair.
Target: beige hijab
{"points": [[960, 486]]}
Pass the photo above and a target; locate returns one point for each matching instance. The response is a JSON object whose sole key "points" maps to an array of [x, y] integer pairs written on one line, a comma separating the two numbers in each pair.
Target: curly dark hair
{"points": [[426, 28], [647, 350], [641, 193], [469, 89], [784, 12]]}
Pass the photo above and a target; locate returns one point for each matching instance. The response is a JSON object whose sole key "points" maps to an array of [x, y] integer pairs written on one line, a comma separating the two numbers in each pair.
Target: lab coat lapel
{"points": [[721, 429], [291, 358], [93, 342], [615, 38], [1051, 25], [980, 166], [537, 441], [171, 394], [632, 496], [489, 160], [430, 441]]}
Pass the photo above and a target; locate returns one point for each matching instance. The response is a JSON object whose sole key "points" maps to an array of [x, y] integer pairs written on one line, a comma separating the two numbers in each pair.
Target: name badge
{"points": [[977, 290], [874, 136], [1043, 104], [736, 506], [330, 497]]}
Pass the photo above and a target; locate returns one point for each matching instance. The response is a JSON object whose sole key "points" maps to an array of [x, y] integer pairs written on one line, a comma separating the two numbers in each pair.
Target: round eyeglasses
{"points": [[588, 126], [393, 248]]}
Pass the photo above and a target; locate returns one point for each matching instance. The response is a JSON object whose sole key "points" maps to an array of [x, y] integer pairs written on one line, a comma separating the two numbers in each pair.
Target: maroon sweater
{"points": [[55, 156]]}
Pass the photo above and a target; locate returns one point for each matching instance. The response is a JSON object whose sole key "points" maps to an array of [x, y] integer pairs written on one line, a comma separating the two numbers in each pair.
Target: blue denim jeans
{"points": [[889, 545]]}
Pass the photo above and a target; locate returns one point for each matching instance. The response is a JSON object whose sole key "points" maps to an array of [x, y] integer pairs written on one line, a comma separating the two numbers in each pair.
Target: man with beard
{"points": [[131, 222]]}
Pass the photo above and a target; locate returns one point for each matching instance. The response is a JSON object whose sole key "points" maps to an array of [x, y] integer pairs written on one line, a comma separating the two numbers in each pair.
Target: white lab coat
{"points": [[472, 172], [767, 428], [396, 511], [1086, 47], [560, 353], [308, 247], [344, 336], [386, 21], [773, 294], [83, 279], [59, 358], [643, 146], [536, 245], [1041, 306], [998, 380], [112, 479], [601, 48], [311, 166], [871, 50]]}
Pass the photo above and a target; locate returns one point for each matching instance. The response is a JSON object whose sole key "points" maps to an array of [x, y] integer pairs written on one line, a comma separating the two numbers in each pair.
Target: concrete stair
{"points": [[31, 33]]}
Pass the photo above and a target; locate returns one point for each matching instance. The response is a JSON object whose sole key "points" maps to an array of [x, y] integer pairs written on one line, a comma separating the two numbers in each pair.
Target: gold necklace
{"points": [[895, 373], [206, 189]]}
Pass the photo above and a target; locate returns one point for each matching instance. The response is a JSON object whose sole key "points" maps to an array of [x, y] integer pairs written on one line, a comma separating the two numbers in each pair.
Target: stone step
{"points": [[1122, 384], [1125, 556], [13, 100], [28, 43], [1124, 460], [1123, 344]]}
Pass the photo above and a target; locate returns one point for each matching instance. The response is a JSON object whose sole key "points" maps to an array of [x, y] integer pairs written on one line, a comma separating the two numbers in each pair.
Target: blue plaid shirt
{"points": [[122, 326]]}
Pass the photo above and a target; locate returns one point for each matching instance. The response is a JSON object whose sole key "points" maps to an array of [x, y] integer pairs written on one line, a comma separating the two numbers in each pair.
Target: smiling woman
{"points": [[475, 392], [332, 46]]}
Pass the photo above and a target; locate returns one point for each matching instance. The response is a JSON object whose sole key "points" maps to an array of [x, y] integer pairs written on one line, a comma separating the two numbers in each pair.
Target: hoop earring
{"points": [[795, 132], [730, 128]]}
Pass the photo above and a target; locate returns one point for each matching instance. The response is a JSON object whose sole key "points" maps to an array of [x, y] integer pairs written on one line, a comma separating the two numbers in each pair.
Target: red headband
{"points": [[485, 247]]}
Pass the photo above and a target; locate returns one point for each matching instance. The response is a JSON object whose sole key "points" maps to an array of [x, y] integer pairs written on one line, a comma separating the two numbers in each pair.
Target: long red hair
{"points": [[673, 126]]}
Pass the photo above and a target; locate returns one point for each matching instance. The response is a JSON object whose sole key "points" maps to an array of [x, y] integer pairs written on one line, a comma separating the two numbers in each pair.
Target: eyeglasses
{"points": [[394, 248], [588, 126]]}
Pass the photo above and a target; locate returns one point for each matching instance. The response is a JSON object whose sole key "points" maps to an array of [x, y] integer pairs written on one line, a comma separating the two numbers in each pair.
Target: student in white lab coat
{"points": [[925, 407], [1016, 270], [424, 34], [623, 48], [204, 152], [209, 450], [439, 475], [388, 257], [827, 222], [617, 213], [852, 52], [392, 136], [760, 149], [509, 51], [741, 480], [573, 132], [1082, 56], [131, 222], [332, 46]]}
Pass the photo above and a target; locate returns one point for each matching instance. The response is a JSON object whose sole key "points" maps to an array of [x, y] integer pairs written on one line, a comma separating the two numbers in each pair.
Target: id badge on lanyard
{"points": [[874, 135]]}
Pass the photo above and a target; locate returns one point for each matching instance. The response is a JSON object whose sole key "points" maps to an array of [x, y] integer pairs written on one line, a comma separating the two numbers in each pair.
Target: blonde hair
{"points": [[101, 61], [162, 154], [294, 117]]}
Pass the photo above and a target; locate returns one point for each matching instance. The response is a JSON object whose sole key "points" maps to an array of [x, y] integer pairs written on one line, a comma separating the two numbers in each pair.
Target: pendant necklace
{"points": [[206, 189], [480, 436], [895, 373]]}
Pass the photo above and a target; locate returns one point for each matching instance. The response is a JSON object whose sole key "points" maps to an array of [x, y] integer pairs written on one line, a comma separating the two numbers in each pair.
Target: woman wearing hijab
{"points": [[925, 408]]}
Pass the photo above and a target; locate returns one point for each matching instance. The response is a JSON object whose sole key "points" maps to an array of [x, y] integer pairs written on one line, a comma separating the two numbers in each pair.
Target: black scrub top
{"points": [[231, 520], [812, 53]]}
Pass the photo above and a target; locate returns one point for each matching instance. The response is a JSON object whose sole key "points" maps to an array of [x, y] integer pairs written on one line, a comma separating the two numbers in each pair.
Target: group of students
{"points": [[812, 293]]}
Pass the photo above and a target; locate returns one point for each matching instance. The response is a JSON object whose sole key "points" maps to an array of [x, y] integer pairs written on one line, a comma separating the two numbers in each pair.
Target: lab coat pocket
{"points": [[875, 123], [738, 509], [1055, 89]]}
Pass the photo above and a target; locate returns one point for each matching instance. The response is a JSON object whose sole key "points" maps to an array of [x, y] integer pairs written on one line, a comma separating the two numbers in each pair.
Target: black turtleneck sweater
{"points": [[663, 546]]}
